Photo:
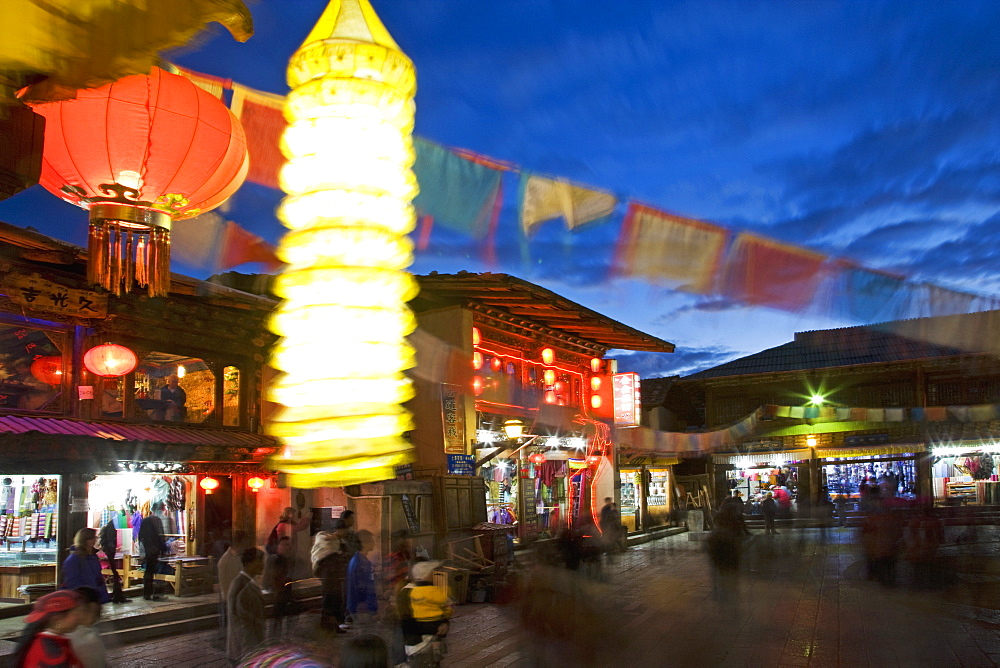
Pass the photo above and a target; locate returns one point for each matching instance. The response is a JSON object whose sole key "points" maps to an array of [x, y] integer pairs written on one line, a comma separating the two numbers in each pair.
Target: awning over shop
{"points": [[868, 451], [62, 445], [132, 432], [762, 458], [649, 461]]}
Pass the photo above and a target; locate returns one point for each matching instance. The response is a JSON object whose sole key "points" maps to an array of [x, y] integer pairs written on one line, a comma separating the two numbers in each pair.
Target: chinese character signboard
{"points": [[462, 464], [41, 295], [627, 400], [453, 413]]}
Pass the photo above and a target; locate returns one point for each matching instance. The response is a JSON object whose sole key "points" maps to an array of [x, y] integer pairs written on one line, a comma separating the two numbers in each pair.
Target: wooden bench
{"points": [[191, 576]]}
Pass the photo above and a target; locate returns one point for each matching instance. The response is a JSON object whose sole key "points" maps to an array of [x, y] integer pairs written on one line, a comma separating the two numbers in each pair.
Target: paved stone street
{"points": [[801, 603]]}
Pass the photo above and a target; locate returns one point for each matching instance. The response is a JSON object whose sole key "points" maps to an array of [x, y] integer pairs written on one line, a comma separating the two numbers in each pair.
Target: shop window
{"points": [[231, 397], [174, 388], [29, 507], [31, 369]]}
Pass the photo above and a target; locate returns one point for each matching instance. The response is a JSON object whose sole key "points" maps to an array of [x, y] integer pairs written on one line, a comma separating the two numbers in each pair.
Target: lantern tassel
{"points": [[130, 263]]}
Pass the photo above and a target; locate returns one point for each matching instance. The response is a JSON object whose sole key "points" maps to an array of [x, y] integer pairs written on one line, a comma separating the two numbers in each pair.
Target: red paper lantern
{"points": [[209, 484], [595, 364], [110, 360], [48, 369], [255, 483], [477, 360], [548, 355], [536, 458], [476, 336], [140, 153], [477, 385]]}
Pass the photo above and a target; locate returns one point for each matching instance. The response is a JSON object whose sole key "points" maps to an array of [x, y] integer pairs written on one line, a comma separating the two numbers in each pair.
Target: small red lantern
{"points": [[110, 360], [549, 376], [595, 364], [477, 361], [595, 402], [209, 484], [548, 355], [139, 153], [496, 363], [550, 397], [477, 386], [536, 458], [593, 460], [254, 483], [48, 369], [476, 336], [595, 383]]}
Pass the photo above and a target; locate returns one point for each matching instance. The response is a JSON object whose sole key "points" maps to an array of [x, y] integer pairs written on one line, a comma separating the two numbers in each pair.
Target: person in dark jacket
{"points": [[153, 544], [82, 568], [278, 580], [769, 509], [329, 559]]}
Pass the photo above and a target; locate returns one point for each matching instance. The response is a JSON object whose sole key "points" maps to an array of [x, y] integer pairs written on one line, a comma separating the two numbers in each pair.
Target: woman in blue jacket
{"points": [[82, 568]]}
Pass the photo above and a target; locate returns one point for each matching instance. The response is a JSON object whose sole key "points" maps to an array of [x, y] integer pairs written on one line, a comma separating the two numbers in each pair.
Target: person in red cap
{"points": [[44, 643]]}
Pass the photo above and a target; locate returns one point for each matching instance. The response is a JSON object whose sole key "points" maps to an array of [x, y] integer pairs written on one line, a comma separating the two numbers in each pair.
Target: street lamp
{"points": [[514, 429]]}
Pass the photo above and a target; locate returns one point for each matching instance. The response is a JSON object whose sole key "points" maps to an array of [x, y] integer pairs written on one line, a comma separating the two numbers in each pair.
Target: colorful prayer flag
{"points": [[263, 121], [768, 273], [213, 84], [460, 194], [662, 247], [543, 199]]}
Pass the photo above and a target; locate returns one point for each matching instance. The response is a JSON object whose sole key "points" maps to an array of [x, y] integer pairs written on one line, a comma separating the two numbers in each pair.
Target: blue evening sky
{"points": [[867, 130]]}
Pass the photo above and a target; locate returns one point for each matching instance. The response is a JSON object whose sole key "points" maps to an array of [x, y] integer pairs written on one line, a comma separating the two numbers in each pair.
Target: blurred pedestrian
{"points": [[228, 568], [842, 509], [45, 642], [291, 523], [82, 568], [610, 526], [278, 581], [85, 638], [246, 607], [568, 543], [559, 618], [880, 537], [153, 545], [395, 571], [364, 651], [350, 538], [824, 513], [329, 561], [769, 509], [362, 600], [725, 548]]}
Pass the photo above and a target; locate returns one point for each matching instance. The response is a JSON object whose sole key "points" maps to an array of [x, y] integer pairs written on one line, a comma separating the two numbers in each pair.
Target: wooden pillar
{"points": [[72, 505], [925, 483], [245, 508], [643, 500]]}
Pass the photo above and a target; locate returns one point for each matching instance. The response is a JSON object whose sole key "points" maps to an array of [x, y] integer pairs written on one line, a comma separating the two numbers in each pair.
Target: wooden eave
{"points": [[523, 300]]}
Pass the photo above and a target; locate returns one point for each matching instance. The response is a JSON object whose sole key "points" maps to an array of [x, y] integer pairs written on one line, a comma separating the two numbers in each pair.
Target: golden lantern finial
{"points": [[344, 318]]}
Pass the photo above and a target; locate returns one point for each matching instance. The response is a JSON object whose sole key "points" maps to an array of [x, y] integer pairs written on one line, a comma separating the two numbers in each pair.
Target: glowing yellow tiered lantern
{"points": [[344, 318]]}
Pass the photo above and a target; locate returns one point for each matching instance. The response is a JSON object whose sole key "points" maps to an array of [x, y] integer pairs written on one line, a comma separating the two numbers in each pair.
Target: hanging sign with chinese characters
{"points": [[38, 294], [626, 392], [453, 415]]}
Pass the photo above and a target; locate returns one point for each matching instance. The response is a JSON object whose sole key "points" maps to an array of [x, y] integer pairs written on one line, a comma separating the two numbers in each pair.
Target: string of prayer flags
{"points": [[768, 273], [544, 199], [662, 247], [263, 121], [212, 243], [459, 194]]}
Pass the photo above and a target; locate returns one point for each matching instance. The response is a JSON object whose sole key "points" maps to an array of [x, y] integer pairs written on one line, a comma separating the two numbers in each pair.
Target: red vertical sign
{"points": [[627, 399]]}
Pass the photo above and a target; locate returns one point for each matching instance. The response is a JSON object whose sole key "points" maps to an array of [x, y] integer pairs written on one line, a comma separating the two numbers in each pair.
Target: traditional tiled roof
{"points": [[654, 390], [897, 341]]}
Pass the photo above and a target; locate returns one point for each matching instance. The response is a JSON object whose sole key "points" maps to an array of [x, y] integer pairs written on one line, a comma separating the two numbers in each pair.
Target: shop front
{"points": [[966, 473], [648, 493], [854, 472], [784, 474]]}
